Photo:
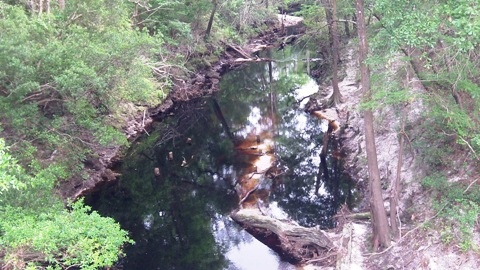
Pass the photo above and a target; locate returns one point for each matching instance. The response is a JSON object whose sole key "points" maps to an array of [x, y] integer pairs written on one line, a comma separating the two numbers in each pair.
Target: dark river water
{"points": [[180, 182]]}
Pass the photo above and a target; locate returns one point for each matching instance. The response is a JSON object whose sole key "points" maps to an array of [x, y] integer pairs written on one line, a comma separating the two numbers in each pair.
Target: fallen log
{"points": [[293, 243], [359, 216], [244, 60], [239, 50]]}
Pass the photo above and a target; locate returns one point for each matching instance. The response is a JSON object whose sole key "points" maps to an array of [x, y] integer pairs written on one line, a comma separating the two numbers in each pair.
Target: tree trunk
{"points": [[328, 15], [379, 218], [221, 118], [354, 26], [346, 26], [395, 194], [40, 6], [61, 4], [331, 14], [210, 21], [307, 54], [294, 244], [336, 96]]}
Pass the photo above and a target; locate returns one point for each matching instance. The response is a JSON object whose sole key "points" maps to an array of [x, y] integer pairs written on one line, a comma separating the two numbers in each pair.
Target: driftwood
{"points": [[244, 60], [239, 50], [361, 215], [293, 243], [260, 47]]}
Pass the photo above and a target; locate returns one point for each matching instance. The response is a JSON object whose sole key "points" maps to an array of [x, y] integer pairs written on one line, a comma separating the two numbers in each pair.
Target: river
{"points": [[249, 145]]}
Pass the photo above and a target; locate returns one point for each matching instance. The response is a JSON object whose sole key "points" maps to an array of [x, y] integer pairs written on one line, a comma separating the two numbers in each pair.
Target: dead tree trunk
{"points": [[294, 244]]}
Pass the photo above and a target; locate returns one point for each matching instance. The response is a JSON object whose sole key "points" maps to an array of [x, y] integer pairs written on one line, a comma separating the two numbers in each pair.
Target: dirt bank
{"points": [[418, 247]]}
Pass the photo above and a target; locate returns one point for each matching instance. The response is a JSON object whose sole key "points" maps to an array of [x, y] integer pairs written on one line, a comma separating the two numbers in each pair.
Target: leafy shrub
{"points": [[10, 171], [62, 79], [458, 208], [65, 238], [32, 219]]}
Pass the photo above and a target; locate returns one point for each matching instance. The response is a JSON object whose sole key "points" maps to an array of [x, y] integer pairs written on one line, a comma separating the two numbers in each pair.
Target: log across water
{"points": [[294, 243]]}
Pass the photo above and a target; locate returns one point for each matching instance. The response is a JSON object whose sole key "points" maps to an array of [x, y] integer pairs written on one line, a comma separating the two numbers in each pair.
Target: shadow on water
{"points": [[180, 182]]}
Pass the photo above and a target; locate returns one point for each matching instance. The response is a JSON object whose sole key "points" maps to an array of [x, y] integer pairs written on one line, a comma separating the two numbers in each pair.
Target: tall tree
{"points": [[212, 16], [379, 217], [331, 15]]}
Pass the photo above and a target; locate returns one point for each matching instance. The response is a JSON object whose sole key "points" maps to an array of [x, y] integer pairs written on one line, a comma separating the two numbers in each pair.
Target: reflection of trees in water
{"points": [[312, 193], [309, 193], [171, 216]]}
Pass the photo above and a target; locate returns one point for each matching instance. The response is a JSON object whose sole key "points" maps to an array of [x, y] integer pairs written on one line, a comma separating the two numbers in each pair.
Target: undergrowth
{"points": [[457, 205]]}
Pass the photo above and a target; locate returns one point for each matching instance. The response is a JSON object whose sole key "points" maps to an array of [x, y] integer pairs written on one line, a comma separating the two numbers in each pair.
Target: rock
{"points": [[156, 171], [109, 175]]}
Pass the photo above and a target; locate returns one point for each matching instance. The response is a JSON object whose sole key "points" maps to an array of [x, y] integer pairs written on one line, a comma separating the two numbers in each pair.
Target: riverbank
{"points": [[420, 245]]}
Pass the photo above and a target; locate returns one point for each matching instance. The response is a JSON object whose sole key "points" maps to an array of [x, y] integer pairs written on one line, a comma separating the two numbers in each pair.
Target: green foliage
{"points": [[31, 218], [387, 80], [64, 238], [169, 18], [463, 17], [470, 87], [434, 145], [407, 23], [455, 123], [445, 36], [10, 171], [314, 15], [62, 76], [245, 18], [458, 207]]}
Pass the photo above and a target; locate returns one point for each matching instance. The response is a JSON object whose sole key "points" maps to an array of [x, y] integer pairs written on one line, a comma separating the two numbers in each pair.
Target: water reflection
{"points": [[250, 143], [278, 92]]}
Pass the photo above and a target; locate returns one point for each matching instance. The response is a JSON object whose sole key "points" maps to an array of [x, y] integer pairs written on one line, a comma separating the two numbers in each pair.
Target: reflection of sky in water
{"points": [[310, 88], [245, 252], [256, 123], [259, 256], [297, 126], [249, 253], [263, 163]]}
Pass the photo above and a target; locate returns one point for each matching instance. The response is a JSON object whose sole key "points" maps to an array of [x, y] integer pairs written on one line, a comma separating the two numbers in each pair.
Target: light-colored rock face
{"points": [[289, 21], [351, 246], [387, 128], [417, 248]]}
